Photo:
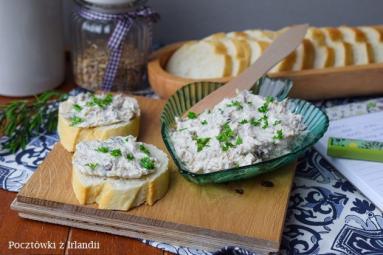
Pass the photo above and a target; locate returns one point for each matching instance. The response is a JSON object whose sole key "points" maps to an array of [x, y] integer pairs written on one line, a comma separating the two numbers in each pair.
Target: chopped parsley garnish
{"points": [[144, 149], [101, 102], [249, 103], [277, 122], [265, 121], [116, 153], [147, 163], [279, 135], [75, 120], [92, 165], [202, 142], [77, 107], [103, 149], [265, 107], [269, 99], [238, 141], [254, 122], [236, 104], [204, 122], [225, 137], [182, 129], [130, 156], [192, 115], [243, 122]]}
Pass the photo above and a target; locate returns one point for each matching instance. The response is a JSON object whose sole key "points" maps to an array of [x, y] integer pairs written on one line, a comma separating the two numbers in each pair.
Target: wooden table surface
{"points": [[17, 231]]}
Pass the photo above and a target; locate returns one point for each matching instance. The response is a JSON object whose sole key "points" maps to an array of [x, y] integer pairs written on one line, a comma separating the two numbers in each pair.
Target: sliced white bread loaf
{"points": [[324, 55], [374, 36], [362, 50], [120, 193], [201, 60], [343, 50]]}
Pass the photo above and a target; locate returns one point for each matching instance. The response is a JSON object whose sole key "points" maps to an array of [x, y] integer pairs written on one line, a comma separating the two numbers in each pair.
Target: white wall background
{"points": [[188, 19]]}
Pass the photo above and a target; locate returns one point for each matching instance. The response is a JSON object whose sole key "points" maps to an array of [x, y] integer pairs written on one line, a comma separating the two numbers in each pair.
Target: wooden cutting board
{"points": [[247, 213]]}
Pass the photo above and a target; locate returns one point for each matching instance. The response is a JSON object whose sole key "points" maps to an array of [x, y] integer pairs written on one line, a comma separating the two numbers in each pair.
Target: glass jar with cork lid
{"points": [[110, 44]]}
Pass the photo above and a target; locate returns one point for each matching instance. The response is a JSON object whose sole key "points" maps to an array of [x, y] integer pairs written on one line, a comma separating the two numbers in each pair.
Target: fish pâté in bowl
{"points": [[257, 131]]}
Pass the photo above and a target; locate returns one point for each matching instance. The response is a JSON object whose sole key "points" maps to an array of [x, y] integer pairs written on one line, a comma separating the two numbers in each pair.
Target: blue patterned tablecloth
{"points": [[326, 213]]}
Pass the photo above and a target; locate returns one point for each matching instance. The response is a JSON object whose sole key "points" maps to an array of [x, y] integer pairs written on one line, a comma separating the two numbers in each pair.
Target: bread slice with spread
{"points": [[88, 116], [119, 173]]}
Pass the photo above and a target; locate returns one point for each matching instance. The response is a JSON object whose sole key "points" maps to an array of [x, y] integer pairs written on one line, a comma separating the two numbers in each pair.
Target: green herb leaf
{"points": [[255, 122], [144, 149], [238, 141], [202, 142], [77, 107], [243, 122], [92, 165], [103, 149], [235, 104], [130, 156], [269, 99], [101, 102], [265, 121], [279, 135], [192, 115], [75, 120], [116, 153], [225, 137], [147, 163], [204, 122], [264, 108], [277, 122]]}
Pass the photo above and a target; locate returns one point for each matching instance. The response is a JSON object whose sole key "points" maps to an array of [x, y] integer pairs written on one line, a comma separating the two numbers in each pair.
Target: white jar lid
{"points": [[110, 2]]}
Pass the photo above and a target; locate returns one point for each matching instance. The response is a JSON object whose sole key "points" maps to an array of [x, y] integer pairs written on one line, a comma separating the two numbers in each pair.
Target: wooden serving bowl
{"points": [[314, 84]]}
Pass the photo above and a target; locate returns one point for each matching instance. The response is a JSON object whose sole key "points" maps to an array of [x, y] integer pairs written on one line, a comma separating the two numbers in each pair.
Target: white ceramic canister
{"points": [[31, 46]]}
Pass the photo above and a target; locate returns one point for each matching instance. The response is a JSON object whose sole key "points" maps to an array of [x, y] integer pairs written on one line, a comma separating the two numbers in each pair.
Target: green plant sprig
{"points": [[21, 119]]}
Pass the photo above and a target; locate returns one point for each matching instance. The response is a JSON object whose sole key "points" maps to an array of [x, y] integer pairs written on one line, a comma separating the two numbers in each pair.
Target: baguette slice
{"points": [[374, 36], [372, 33], [286, 64], [362, 50], [324, 55], [343, 50], [257, 48], [123, 194], [239, 52], [261, 35], [72, 135], [200, 60], [305, 56]]}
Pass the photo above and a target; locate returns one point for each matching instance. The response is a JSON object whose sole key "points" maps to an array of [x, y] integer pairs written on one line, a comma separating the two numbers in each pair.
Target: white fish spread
{"points": [[92, 110], [237, 132], [119, 157]]}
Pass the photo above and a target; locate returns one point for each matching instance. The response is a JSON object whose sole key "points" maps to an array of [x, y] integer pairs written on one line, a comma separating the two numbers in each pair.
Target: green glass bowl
{"points": [[315, 120]]}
